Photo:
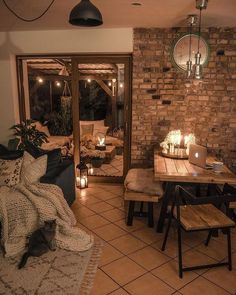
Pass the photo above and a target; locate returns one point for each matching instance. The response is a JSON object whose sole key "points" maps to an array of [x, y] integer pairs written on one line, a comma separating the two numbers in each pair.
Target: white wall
{"points": [[46, 42]]}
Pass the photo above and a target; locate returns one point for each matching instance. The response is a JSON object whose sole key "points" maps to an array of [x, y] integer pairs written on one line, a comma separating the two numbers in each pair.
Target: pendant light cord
{"points": [[199, 30], [25, 19], [190, 41]]}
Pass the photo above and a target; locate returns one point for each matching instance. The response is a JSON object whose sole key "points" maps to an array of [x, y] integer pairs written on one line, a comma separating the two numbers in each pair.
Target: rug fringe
{"points": [[91, 270]]}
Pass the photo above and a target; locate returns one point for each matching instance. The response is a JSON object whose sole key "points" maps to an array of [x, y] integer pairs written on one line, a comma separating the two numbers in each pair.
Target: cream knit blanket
{"points": [[25, 207]]}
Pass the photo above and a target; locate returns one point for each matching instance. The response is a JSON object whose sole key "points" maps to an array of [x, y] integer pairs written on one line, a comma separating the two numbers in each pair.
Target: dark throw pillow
{"points": [[5, 154]]}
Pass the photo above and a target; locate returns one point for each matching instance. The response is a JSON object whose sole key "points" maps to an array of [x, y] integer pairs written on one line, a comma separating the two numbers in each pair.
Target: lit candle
{"points": [[172, 148], [83, 182], [186, 140]]}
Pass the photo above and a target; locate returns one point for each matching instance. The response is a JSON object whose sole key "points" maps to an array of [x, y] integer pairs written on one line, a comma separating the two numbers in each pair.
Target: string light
{"points": [[58, 84], [40, 80]]}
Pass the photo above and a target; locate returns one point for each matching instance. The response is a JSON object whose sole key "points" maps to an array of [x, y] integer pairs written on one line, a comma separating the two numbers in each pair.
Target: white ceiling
{"points": [[117, 13]]}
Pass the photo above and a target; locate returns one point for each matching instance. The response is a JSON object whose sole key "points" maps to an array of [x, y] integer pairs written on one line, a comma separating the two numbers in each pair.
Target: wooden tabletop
{"points": [[177, 170]]}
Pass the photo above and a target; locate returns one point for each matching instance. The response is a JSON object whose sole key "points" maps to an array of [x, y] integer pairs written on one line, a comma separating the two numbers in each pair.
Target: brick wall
{"points": [[161, 102]]}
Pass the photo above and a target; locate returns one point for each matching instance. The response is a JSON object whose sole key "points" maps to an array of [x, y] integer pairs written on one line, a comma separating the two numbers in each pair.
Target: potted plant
{"points": [[26, 133]]}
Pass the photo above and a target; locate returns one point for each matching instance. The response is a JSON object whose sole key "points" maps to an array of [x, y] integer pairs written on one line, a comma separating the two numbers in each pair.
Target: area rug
{"points": [[61, 273]]}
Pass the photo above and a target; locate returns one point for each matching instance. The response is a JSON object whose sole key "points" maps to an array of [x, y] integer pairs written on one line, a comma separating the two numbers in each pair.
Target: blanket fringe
{"points": [[91, 270]]}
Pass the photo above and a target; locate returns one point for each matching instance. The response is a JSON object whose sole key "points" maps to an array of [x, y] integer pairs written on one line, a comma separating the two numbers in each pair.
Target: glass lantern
{"points": [[100, 141], [82, 175]]}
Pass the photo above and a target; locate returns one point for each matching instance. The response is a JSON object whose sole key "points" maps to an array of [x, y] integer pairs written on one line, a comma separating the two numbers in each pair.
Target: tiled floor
{"points": [[132, 262], [114, 168]]}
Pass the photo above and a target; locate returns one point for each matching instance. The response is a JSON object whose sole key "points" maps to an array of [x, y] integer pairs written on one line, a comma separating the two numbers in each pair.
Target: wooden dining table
{"points": [[180, 171]]}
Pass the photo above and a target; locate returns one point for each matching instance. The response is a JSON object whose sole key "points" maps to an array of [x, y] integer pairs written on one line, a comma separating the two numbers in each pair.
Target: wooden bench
{"points": [[137, 176]]}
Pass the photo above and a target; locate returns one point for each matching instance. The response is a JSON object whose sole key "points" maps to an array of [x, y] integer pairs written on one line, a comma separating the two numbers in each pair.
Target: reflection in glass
{"points": [[101, 104]]}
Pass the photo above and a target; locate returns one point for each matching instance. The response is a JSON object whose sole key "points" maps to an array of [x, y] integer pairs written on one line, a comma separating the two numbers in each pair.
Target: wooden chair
{"points": [[134, 178], [230, 190], [230, 206], [199, 214]]}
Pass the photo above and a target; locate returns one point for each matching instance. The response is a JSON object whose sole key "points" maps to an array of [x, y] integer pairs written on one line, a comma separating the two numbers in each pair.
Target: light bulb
{"points": [[58, 84], [40, 80], [89, 80], [121, 85]]}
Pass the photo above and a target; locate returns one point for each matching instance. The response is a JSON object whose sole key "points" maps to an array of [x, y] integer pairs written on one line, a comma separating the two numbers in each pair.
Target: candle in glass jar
{"points": [[83, 182]]}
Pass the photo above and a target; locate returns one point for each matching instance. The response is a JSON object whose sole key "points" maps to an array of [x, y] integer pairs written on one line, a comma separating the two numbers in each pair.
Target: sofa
{"points": [[59, 171]]}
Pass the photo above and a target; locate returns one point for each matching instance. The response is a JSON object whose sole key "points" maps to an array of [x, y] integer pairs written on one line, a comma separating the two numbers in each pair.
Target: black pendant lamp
{"points": [[85, 14]]}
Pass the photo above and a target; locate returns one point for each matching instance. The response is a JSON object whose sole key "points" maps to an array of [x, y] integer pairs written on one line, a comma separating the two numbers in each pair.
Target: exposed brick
{"points": [[161, 102]]}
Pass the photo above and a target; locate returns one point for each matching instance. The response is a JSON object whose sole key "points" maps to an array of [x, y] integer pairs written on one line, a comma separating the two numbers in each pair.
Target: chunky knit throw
{"points": [[25, 207]]}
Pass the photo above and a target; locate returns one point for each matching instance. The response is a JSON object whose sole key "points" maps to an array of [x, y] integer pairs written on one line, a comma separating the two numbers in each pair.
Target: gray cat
{"points": [[40, 242]]}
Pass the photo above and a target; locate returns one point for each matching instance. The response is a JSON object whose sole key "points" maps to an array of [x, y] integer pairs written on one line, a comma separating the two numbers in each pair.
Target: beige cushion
{"points": [[95, 122], [10, 172], [86, 129], [141, 180], [33, 169]]}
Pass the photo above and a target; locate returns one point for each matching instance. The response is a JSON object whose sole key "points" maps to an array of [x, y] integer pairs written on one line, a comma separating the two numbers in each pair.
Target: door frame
{"points": [[125, 59]]}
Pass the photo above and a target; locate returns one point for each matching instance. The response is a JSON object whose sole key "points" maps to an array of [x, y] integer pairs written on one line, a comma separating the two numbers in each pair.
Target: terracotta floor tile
{"points": [[223, 239], [103, 284], [109, 254], [193, 257], [149, 258], [81, 211], [109, 232], [169, 273], [94, 221], [119, 292], [117, 202], [131, 271], [100, 207], [193, 239], [104, 195], [127, 244], [171, 249], [88, 200], [136, 225], [148, 284], [223, 278], [203, 287], [123, 270], [146, 234], [113, 215], [215, 249], [116, 189]]}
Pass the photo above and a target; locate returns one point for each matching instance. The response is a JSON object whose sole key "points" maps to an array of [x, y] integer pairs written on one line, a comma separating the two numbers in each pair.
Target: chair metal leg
{"points": [[150, 214], [130, 213], [165, 202], [208, 238], [229, 249], [180, 252], [167, 232]]}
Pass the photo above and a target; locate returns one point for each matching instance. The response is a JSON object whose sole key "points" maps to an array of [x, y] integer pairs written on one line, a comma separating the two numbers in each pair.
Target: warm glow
{"points": [[40, 80], [121, 85], [101, 141], [109, 83], [81, 182], [89, 80], [175, 142], [58, 84]]}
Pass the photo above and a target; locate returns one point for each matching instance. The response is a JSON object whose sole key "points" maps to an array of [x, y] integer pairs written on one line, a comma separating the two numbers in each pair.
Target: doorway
{"points": [[85, 101]]}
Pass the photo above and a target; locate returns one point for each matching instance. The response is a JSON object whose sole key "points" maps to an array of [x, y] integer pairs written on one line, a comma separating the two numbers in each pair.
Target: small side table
{"points": [[110, 153]]}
